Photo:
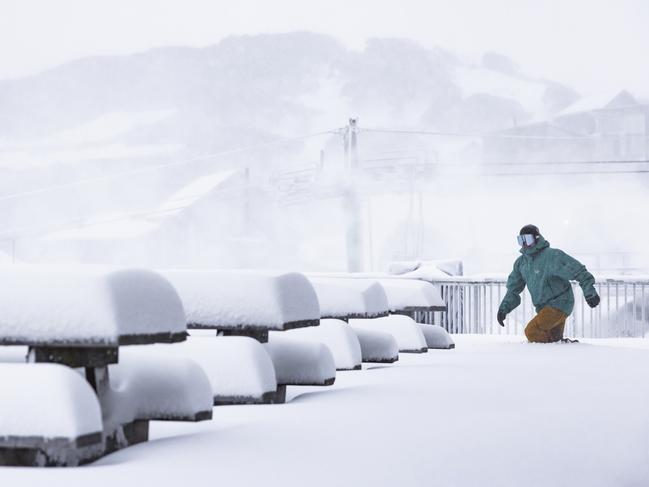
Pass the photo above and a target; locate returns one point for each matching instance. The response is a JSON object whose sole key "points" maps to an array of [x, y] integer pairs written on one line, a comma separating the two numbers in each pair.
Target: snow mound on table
{"points": [[411, 294], [345, 298], [239, 368], [401, 267], [240, 299], [300, 363], [87, 306], [46, 400], [406, 332], [436, 336], [157, 386], [377, 346], [338, 337]]}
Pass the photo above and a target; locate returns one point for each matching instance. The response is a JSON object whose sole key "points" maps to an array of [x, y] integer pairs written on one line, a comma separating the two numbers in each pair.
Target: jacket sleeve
{"points": [[515, 286], [570, 268]]}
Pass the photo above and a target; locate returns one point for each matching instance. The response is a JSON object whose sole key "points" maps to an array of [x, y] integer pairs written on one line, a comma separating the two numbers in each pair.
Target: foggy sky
{"points": [[597, 46]]}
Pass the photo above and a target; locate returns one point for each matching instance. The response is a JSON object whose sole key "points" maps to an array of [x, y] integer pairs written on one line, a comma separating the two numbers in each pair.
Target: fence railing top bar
{"points": [[502, 280]]}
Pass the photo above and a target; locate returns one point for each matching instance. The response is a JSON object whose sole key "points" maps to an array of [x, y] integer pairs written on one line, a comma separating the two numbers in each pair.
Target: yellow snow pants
{"points": [[547, 326]]}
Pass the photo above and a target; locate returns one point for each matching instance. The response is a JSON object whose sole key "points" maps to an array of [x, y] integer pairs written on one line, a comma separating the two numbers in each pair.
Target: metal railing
{"points": [[472, 305]]}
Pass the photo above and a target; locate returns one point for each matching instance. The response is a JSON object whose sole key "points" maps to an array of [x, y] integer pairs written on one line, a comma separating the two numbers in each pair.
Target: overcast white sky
{"points": [[598, 46]]}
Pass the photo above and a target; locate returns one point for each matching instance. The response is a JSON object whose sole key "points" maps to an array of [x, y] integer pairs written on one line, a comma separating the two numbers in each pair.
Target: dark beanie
{"points": [[530, 230]]}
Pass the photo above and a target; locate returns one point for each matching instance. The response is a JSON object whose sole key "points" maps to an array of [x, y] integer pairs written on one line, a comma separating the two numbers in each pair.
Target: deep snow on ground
{"points": [[496, 411]]}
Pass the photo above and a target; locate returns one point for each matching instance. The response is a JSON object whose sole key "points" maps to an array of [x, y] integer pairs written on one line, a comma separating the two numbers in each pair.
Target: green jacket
{"points": [[547, 273]]}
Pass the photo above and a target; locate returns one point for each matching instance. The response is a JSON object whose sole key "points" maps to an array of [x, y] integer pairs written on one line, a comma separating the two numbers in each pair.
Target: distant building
{"points": [[588, 130]]}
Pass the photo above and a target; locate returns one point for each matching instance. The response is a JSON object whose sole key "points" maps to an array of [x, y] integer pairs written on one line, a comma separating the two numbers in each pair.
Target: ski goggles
{"points": [[525, 240]]}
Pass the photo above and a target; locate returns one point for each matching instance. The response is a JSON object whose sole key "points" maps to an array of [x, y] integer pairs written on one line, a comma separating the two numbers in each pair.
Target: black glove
{"points": [[593, 300], [501, 317]]}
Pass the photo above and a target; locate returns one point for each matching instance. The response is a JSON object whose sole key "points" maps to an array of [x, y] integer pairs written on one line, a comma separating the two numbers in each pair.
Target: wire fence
{"points": [[472, 306]]}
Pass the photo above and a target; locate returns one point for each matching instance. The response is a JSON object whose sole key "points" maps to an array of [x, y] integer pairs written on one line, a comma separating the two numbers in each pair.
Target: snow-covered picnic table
{"points": [[245, 364], [60, 319], [245, 303]]}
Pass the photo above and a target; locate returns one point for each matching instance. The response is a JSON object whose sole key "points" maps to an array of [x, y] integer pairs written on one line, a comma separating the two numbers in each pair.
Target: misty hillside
{"points": [[278, 83]]}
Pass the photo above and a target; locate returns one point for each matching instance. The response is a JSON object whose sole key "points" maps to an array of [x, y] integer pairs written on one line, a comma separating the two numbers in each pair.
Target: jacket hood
{"points": [[536, 248]]}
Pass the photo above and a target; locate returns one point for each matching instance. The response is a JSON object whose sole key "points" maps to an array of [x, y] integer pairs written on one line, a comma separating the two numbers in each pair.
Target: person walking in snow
{"points": [[547, 272]]}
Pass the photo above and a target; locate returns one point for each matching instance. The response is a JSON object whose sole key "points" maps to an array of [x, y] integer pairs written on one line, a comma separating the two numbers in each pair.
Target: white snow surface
{"points": [[338, 336], [436, 336], [341, 297], [298, 362], [80, 305], [376, 346], [156, 386], [235, 366], [46, 400], [405, 331], [497, 411], [232, 299]]}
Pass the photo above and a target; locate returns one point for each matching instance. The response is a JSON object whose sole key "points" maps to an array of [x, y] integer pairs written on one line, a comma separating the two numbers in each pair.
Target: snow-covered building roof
{"points": [[623, 99], [132, 225]]}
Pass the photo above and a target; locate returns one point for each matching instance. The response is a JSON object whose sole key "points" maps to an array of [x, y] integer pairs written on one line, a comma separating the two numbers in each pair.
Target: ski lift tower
{"points": [[351, 201]]}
